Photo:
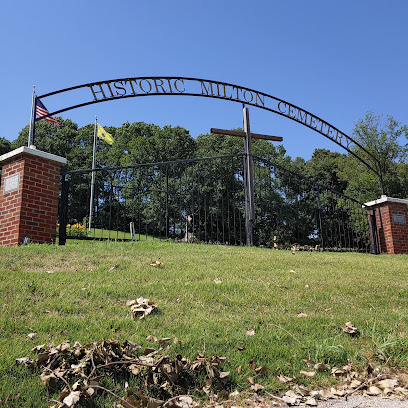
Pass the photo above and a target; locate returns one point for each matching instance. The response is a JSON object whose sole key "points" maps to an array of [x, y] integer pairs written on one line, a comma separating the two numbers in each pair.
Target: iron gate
{"points": [[203, 201]]}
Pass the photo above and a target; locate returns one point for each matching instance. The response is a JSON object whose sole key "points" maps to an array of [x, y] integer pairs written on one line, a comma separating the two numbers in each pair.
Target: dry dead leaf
{"points": [[257, 387], [251, 380], [321, 367], [142, 308], [301, 314], [337, 371], [350, 329], [311, 402], [251, 363], [224, 374], [217, 281], [233, 395], [292, 271], [308, 373], [156, 264], [388, 383], [250, 332], [290, 398], [25, 360], [32, 336], [241, 348], [373, 390], [307, 286], [72, 398], [261, 369], [284, 379], [355, 383], [150, 337]]}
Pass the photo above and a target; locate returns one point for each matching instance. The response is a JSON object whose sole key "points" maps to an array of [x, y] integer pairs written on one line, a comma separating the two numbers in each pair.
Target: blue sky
{"points": [[334, 59]]}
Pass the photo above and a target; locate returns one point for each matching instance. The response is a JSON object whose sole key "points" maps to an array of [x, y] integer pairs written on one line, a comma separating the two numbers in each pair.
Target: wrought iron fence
{"points": [[203, 200], [293, 211]]}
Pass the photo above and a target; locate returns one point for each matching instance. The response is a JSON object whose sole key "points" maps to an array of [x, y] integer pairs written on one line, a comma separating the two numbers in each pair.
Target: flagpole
{"points": [[32, 121], [93, 177]]}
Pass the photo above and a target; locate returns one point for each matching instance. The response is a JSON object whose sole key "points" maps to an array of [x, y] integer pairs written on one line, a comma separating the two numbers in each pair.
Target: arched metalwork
{"points": [[113, 89]]}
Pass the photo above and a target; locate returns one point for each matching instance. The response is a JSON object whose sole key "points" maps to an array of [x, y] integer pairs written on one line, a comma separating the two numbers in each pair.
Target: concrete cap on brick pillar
{"points": [[28, 150], [385, 199]]}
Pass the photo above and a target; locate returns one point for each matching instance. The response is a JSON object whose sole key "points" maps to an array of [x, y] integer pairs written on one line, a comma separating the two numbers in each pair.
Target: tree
{"points": [[152, 144], [5, 146], [58, 140], [324, 168], [379, 135]]}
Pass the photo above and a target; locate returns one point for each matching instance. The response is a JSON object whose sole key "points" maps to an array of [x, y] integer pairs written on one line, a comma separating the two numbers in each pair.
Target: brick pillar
{"points": [[392, 224], [29, 196]]}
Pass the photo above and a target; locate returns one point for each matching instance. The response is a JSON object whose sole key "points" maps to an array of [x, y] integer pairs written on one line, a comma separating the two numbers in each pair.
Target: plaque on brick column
{"points": [[399, 219], [11, 183]]}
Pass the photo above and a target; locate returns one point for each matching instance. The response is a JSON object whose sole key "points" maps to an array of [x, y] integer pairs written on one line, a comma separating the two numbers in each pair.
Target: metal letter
{"points": [[120, 87], [131, 85], [101, 91], [159, 85], [175, 85], [141, 87], [203, 87], [280, 110], [252, 96], [260, 99]]}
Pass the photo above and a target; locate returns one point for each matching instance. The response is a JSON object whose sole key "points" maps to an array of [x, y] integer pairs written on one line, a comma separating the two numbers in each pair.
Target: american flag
{"points": [[41, 111]]}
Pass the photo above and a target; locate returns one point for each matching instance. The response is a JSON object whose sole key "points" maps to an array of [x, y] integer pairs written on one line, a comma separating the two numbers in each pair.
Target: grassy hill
{"points": [[274, 308]]}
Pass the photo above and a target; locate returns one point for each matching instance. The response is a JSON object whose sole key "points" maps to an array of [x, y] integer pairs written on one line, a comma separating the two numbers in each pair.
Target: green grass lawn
{"points": [[78, 292]]}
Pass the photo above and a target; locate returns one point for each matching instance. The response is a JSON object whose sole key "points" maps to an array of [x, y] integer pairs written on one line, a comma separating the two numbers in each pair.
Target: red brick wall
{"points": [[393, 238], [32, 209]]}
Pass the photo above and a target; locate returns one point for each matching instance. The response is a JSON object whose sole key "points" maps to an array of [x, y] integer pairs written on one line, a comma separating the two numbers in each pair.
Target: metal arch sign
{"points": [[148, 86]]}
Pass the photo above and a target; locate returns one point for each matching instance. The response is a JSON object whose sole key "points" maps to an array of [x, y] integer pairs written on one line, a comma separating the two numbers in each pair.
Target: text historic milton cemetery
{"points": [[197, 87]]}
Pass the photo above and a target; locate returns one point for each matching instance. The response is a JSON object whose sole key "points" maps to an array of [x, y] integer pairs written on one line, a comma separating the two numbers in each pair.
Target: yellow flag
{"points": [[104, 135]]}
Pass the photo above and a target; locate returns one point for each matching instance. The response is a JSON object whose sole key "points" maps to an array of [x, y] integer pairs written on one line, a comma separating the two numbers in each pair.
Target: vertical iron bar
{"points": [[250, 214], [167, 200], [62, 233], [320, 216]]}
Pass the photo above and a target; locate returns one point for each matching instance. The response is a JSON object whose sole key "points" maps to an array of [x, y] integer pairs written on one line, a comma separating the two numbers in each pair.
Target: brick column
{"points": [[392, 224], [29, 196]]}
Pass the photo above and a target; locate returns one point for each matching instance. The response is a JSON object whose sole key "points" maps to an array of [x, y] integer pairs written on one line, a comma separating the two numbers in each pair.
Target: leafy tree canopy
{"points": [[5, 146]]}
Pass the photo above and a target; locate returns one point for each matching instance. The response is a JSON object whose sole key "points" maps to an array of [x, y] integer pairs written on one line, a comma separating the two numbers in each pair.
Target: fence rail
{"points": [[203, 200]]}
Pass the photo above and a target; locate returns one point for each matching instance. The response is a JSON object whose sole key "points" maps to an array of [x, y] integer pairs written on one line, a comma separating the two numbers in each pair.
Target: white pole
{"points": [[32, 119], [93, 177]]}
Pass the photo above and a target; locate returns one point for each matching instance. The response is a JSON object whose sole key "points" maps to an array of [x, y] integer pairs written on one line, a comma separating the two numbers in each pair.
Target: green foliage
{"points": [[5, 146], [139, 142], [324, 167], [151, 144], [56, 140], [379, 135]]}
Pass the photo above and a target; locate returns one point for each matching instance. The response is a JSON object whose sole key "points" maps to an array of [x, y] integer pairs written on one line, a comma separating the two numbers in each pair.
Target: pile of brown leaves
{"points": [[370, 381], [77, 372]]}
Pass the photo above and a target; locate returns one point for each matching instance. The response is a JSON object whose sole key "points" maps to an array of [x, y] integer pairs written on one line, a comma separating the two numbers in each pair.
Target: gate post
{"points": [[29, 196], [391, 220]]}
